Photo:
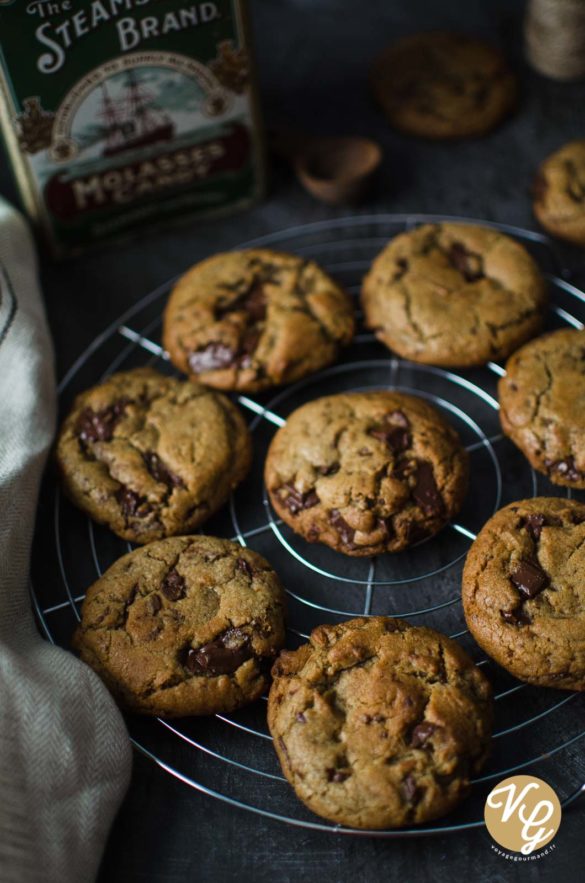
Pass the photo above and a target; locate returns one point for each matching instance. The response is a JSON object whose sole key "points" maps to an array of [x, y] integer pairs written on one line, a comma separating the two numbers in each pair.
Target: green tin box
{"points": [[125, 114]]}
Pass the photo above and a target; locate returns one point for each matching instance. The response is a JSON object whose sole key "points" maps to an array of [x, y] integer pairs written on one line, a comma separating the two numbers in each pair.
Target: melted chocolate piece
{"points": [[426, 492], [534, 524], [395, 437], [248, 345], [345, 532], [160, 472], [222, 656], [403, 468], [173, 586], [410, 789], [254, 302], [421, 733], [243, 565], [415, 533], [469, 264], [337, 775], [93, 426], [211, 358], [295, 501], [132, 504], [517, 616], [529, 578], [388, 525], [565, 468]]}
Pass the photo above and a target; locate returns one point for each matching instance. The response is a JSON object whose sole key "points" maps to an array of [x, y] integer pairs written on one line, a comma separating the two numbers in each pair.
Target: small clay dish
{"points": [[337, 170]]}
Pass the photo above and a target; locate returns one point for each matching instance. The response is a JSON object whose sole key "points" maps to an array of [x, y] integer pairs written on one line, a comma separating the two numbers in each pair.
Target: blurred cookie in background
{"points": [[442, 85], [559, 193]]}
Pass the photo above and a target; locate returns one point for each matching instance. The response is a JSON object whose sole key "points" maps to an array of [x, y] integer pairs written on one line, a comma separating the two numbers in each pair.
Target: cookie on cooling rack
{"points": [[378, 724], [366, 472], [559, 193], [542, 398], [442, 85], [184, 626], [250, 320], [152, 456], [454, 295], [523, 591]]}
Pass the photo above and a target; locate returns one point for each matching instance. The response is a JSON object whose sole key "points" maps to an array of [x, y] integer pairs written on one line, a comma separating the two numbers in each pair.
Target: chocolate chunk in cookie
{"points": [[523, 592], [366, 473], [540, 408], [454, 295], [151, 456], [378, 724], [250, 320], [186, 625]]}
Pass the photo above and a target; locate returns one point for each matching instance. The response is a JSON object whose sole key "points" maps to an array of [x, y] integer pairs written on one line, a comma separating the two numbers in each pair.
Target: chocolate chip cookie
{"points": [[152, 456], [453, 295], [366, 472], [186, 625], [378, 724], [249, 320], [559, 193], [441, 85], [542, 405], [523, 591]]}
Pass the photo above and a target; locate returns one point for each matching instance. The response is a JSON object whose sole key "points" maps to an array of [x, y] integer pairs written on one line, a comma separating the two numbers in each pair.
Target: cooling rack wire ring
{"points": [[328, 242]]}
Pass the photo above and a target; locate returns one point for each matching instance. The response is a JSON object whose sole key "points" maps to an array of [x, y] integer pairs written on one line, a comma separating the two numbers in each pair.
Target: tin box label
{"points": [[122, 113]]}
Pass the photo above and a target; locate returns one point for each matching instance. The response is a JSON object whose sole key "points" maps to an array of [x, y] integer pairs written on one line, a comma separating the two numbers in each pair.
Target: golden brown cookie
{"points": [[152, 456], [453, 294], [186, 625], [542, 405], [366, 472], [442, 85], [249, 320], [378, 724], [559, 193], [523, 591]]}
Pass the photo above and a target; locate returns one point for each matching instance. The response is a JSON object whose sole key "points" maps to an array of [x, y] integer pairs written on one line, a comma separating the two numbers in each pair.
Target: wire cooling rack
{"points": [[229, 756]]}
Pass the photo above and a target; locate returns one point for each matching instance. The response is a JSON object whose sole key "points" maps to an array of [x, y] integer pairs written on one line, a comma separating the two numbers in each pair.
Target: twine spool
{"points": [[555, 37]]}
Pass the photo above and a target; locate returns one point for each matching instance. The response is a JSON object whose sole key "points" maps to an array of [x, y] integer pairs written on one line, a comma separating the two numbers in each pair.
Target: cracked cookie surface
{"points": [[523, 591], [559, 193], [542, 405], [366, 473], [184, 626], [152, 456], [454, 295], [441, 85], [378, 724], [250, 320]]}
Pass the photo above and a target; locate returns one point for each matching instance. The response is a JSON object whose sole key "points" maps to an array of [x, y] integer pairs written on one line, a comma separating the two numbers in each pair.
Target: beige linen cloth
{"points": [[64, 750]]}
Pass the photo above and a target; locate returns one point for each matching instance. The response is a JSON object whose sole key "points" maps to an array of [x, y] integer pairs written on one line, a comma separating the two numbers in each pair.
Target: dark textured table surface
{"points": [[313, 59]]}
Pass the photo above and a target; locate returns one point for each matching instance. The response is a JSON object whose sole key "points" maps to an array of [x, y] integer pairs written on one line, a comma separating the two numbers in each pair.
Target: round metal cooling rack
{"points": [[229, 757]]}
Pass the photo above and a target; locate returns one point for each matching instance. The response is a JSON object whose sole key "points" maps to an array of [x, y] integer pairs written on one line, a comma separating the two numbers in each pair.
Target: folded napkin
{"points": [[64, 752]]}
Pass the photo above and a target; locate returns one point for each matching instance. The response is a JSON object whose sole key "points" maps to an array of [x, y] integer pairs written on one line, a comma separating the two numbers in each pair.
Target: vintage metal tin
{"points": [[124, 114]]}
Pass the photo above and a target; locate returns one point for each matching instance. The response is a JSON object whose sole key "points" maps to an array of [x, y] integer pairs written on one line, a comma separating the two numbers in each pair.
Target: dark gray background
{"points": [[313, 59]]}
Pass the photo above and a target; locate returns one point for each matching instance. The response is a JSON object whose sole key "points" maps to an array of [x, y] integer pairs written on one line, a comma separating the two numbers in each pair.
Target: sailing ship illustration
{"points": [[134, 120]]}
